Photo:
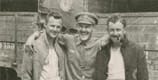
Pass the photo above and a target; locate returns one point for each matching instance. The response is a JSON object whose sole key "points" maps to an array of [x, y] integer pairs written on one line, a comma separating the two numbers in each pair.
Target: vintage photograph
{"points": [[78, 39]]}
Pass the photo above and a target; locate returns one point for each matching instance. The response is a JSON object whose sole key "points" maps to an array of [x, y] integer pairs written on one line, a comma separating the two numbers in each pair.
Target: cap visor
{"points": [[84, 22]]}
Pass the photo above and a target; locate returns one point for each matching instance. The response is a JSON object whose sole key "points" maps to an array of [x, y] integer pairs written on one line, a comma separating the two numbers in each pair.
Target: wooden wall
{"points": [[141, 28], [14, 30]]}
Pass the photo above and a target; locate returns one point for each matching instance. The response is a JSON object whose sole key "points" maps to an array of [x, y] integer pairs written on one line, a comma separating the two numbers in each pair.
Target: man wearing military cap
{"points": [[82, 49], [86, 17]]}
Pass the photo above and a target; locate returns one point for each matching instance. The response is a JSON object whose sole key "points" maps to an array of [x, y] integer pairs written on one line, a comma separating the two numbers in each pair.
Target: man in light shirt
{"points": [[45, 61], [120, 59]]}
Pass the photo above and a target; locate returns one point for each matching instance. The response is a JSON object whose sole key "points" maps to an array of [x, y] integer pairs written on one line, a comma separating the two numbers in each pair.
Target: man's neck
{"points": [[116, 45], [84, 42], [51, 41]]}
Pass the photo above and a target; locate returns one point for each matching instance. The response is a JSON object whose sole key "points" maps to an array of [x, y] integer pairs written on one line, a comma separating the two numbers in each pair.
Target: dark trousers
{"points": [[8, 74]]}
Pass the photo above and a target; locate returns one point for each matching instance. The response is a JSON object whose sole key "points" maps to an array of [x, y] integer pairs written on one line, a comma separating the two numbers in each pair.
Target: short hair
{"points": [[54, 14], [116, 18]]}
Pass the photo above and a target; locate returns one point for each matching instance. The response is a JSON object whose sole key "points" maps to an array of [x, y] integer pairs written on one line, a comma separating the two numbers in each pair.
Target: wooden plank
{"points": [[136, 20], [23, 35], [27, 27], [100, 28], [26, 18], [5, 37], [143, 28], [142, 20], [132, 28], [7, 28], [19, 13], [129, 14]]}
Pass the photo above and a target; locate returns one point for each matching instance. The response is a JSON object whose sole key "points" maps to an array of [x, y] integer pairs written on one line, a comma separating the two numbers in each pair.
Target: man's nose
{"points": [[83, 29], [115, 32]]}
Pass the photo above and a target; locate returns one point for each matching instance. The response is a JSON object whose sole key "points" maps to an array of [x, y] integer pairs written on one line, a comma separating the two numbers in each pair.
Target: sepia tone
{"points": [[18, 23]]}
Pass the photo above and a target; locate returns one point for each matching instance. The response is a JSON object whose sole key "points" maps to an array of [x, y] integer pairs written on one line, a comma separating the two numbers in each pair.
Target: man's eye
{"points": [[118, 29], [52, 25], [87, 26], [80, 25], [58, 26], [111, 29]]}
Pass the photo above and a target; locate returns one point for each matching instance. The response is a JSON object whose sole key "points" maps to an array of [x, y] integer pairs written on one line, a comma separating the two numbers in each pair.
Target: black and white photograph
{"points": [[78, 39]]}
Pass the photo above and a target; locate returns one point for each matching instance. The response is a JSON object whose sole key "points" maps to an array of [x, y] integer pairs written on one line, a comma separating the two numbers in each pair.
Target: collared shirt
{"points": [[116, 69], [81, 59], [50, 69]]}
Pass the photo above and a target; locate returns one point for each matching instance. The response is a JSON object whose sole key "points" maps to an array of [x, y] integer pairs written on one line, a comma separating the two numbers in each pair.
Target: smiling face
{"points": [[85, 31], [116, 31], [53, 27]]}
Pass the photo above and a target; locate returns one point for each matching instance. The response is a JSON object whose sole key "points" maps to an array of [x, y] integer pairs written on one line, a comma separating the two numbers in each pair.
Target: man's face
{"points": [[116, 31], [85, 31], [53, 27]]}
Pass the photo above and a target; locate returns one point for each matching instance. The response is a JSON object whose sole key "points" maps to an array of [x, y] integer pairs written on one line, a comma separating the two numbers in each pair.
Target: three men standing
{"points": [[83, 57]]}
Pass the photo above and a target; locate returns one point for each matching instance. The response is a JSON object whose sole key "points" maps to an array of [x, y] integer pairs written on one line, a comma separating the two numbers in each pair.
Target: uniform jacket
{"points": [[34, 60], [80, 64], [134, 61]]}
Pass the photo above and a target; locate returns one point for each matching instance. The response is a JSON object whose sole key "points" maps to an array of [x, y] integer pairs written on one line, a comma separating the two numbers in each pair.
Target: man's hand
{"points": [[104, 40], [31, 39]]}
